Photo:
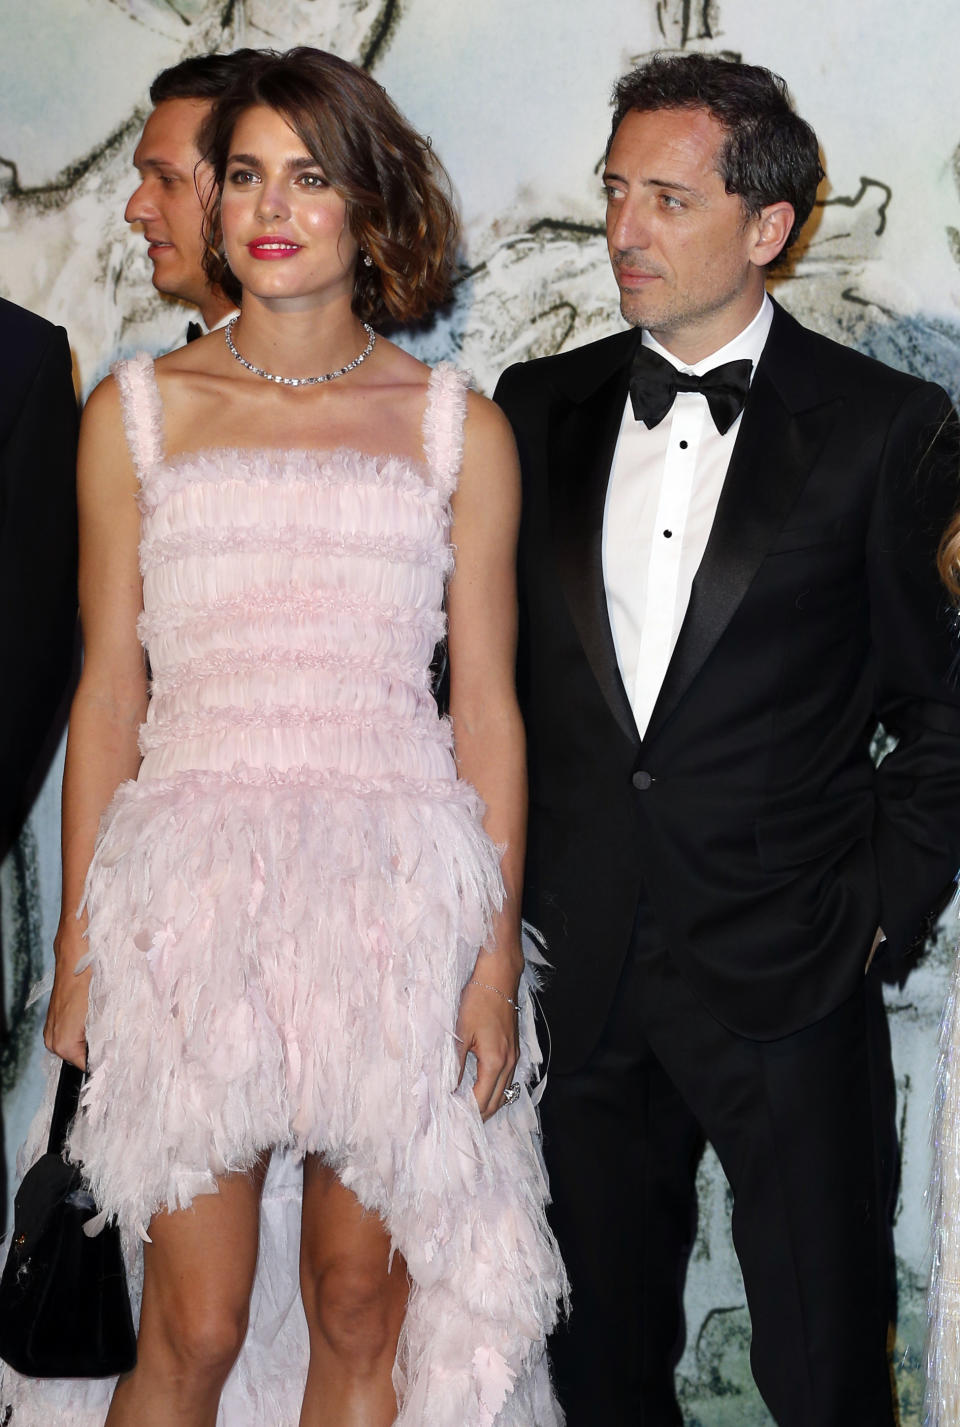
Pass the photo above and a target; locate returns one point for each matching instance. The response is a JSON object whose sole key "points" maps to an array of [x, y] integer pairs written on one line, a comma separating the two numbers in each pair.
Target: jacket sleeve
{"points": [[509, 396], [917, 658], [38, 568]]}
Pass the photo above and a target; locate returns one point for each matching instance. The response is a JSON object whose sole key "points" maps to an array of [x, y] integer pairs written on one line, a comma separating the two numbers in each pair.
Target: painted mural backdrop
{"points": [[514, 94]]}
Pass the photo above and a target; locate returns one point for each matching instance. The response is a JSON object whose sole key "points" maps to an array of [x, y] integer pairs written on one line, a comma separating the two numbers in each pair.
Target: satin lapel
{"points": [[771, 461], [582, 446]]}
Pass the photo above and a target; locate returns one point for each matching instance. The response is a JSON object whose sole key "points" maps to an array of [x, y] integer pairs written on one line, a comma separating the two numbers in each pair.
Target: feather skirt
{"points": [[278, 963]]}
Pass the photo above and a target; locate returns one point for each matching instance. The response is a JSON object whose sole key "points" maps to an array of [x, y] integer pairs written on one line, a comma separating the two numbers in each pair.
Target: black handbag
{"points": [[64, 1305]]}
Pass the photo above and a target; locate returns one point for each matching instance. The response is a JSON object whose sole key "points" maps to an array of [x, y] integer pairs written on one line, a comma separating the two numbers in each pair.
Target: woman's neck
{"points": [[298, 341]]}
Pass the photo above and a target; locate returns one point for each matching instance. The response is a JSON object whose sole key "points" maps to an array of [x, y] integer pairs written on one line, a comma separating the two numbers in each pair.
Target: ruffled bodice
{"points": [[292, 601]]}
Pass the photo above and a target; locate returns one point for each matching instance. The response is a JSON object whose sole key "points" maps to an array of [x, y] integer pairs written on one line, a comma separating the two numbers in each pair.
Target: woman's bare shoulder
{"points": [[396, 370], [182, 367], [103, 411], [486, 420], [104, 463]]}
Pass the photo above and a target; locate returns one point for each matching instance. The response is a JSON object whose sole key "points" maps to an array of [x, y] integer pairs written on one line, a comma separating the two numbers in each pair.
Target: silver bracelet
{"points": [[497, 992]]}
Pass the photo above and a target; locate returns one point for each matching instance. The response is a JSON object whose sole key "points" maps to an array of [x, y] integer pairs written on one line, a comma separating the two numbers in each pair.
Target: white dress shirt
{"points": [[203, 330], [219, 326], [661, 501]]}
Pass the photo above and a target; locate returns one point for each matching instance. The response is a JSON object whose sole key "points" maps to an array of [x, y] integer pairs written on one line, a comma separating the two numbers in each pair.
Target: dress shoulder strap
{"points": [[142, 411], [443, 425]]}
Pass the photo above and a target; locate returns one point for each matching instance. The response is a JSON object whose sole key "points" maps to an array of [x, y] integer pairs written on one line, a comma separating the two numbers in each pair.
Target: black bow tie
{"points": [[194, 330], [654, 384]]}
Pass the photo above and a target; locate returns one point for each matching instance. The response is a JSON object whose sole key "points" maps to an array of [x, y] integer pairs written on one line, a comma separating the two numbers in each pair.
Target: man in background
{"points": [[38, 424], [38, 596], [176, 184], [38, 548]]}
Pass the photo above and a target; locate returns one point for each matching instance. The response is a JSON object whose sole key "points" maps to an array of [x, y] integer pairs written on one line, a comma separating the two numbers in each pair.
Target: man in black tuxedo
{"points": [[38, 546], [176, 183], [718, 603]]}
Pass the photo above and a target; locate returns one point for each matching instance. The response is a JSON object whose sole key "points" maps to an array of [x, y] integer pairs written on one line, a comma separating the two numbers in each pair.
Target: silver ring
{"points": [[511, 1093]]}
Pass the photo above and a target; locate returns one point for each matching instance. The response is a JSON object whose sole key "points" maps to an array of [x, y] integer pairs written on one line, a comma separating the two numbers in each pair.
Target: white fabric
{"points": [[663, 480], [217, 326]]}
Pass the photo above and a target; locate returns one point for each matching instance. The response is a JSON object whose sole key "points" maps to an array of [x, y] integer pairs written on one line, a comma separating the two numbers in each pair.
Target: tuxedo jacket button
{"points": [[642, 780]]}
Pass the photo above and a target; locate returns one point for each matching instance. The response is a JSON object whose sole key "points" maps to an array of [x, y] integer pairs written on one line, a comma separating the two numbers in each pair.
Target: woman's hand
{"points": [[64, 1031], [488, 1026]]}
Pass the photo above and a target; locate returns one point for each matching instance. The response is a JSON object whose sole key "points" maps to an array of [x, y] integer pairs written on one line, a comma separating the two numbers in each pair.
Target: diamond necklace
{"points": [[299, 381]]}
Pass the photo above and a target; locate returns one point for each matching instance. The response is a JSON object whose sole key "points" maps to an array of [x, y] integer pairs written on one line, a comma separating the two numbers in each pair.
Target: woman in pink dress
{"points": [[300, 941]]}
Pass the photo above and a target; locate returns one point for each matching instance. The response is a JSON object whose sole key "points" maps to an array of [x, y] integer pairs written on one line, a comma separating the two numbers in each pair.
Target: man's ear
{"points": [[774, 223]]}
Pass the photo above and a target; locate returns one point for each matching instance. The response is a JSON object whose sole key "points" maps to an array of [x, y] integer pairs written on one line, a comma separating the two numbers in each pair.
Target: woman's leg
{"points": [[354, 1306], [197, 1277]]}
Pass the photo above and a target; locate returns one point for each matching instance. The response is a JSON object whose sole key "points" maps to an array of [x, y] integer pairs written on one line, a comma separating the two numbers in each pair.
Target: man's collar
{"points": [[217, 326], [747, 344]]}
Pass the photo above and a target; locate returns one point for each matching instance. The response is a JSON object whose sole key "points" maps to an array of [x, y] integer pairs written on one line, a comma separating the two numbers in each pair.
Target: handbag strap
{"points": [[65, 1105]]}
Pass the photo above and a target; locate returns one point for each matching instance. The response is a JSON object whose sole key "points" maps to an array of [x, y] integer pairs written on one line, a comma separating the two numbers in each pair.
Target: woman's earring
{"points": [[367, 260]]}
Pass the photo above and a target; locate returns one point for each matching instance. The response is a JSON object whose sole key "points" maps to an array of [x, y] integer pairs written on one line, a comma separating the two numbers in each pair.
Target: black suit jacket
{"points": [[769, 846], [38, 543]]}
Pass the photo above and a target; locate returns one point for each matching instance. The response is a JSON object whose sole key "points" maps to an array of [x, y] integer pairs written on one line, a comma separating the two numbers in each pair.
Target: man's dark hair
{"points": [[200, 77], [770, 154]]}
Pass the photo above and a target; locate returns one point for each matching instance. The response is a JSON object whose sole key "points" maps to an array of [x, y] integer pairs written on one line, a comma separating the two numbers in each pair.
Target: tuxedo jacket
{"points": [[38, 543], [751, 813]]}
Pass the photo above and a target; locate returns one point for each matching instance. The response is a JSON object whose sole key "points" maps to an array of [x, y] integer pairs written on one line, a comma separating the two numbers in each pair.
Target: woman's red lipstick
{"points": [[271, 247]]}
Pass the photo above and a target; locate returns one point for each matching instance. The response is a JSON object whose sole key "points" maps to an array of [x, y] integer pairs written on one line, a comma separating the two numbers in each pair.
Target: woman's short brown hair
{"points": [[396, 190]]}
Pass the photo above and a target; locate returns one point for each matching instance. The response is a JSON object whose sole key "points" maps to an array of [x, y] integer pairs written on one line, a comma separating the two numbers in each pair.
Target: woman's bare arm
{"points": [[111, 696], [488, 729]]}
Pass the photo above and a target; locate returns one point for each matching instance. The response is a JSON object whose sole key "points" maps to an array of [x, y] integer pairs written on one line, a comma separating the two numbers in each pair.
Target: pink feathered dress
{"points": [[284, 907]]}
